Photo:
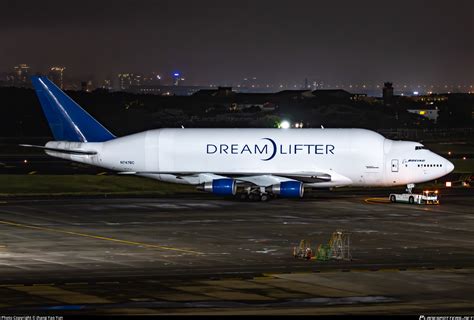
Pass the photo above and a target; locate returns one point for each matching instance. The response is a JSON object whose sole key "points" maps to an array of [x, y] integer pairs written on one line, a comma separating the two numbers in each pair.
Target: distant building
{"points": [[243, 106], [265, 107], [430, 113], [21, 75], [360, 97], [269, 107], [87, 86], [164, 90], [153, 79], [430, 98], [107, 84], [335, 95], [293, 94], [177, 78], [5, 79], [219, 92], [56, 74], [127, 80], [387, 93]]}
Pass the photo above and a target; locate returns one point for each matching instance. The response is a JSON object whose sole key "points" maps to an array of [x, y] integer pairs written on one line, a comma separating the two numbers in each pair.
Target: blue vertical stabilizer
{"points": [[67, 120]]}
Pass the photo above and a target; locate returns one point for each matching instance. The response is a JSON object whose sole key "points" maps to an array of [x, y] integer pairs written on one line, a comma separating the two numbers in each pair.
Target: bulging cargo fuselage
{"points": [[353, 157]]}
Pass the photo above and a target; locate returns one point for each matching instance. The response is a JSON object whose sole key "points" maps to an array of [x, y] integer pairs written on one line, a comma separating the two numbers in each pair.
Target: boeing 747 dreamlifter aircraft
{"points": [[250, 162]]}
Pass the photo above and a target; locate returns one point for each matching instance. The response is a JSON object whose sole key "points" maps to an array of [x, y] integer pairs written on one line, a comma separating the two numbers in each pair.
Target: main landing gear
{"points": [[255, 194]]}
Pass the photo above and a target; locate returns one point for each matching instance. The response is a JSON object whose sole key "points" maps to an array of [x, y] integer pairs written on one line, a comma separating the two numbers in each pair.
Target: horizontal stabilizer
{"points": [[68, 151]]}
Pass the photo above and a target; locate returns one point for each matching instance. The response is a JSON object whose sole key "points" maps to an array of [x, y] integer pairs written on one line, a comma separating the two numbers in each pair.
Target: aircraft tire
{"points": [[243, 196]]}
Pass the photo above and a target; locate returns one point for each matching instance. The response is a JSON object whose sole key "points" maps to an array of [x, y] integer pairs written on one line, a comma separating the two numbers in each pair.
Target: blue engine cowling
{"points": [[288, 189], [224, 187]]}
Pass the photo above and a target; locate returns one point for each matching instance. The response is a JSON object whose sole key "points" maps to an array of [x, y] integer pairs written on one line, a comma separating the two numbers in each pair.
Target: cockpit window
{"points": [[420, 148]]}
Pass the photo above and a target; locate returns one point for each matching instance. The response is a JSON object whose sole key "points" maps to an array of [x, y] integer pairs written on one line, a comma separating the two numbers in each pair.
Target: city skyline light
{"points": [[217, 42]]}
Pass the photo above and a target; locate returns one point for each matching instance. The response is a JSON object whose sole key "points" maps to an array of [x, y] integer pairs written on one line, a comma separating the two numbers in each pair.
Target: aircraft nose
{"points": [[449, 166]]}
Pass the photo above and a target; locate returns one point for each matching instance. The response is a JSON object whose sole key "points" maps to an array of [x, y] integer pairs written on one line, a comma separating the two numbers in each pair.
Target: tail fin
{"points": [[67, 120]]}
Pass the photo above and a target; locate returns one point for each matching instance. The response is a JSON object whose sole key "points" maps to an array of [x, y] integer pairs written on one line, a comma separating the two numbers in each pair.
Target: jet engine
{"points": [[287, 189], [223, 187]]}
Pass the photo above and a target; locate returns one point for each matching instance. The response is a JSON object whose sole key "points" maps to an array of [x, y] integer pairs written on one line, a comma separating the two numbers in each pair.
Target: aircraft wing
{"points": [[265, 180], [260, 179]]}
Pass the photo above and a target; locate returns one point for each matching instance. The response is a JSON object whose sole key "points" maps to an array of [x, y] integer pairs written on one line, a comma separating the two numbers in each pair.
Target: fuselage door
{"points": [[395, 165]]}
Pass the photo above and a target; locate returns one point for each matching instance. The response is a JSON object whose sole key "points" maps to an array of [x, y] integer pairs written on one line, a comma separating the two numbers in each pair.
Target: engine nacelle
{"points": [[224, 187], [288, 189]]}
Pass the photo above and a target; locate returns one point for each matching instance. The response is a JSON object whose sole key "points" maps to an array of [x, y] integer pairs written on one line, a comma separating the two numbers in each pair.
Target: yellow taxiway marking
{"points": [[376, 200], [91, 236]]}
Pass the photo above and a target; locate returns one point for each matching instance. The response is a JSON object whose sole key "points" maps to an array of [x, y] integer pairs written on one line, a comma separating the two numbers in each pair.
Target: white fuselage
{"points": [[352, 157]]}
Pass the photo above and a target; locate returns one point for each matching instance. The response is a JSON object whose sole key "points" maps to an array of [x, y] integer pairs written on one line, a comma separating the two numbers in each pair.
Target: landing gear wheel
{"points": [[253, 197], [264, 197], [393, 199], [411, 200], [243, 196]]}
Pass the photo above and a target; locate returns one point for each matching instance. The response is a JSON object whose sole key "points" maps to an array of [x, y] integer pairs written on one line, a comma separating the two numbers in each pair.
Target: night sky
{"points": [[426, 42]]}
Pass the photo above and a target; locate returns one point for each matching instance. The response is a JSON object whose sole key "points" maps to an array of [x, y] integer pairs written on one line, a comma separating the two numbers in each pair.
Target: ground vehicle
{"points": [[426, 197]]}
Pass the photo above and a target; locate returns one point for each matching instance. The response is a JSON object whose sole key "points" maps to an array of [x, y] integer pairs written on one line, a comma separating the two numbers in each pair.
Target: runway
{"points": [[156, 255]]}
